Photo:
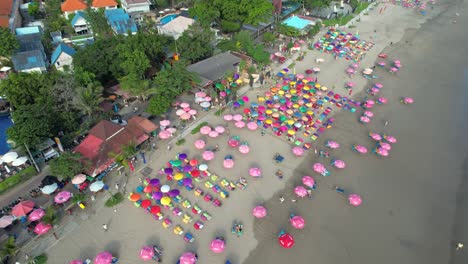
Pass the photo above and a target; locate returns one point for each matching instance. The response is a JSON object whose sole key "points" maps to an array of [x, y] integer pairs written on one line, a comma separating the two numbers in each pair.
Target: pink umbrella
{"points": [[355, 65], [385, 145], [36, 214], [199, 144], [76, 261], [297, 222], [103, 258], [42, 228], [319, 168], [339, 164], [217, 245], [374, 90], [233, 143], [393, 69], [370, 102], [375, 136], [62, 197], [259, 211], [408, 100], [207, 99], [227, 117], [354, 199], [239, 124], [300, 76], [245, 98], [390, 139], [184, 105], [350, 71], [252, 126], [164, 134], [350, 84], [255, 172], [382, 100], [213, 134], [361, 149], [382, 152], [368, 113], [396, 62], [298, 151], [208, 155], [244, 149], [200, 94], [147, 253], [188, 258], [378, 85], [179, 112], [308, 181], [164, 123], [220, 129], [237, 117], [79, 179], [192, 112], [228, 163], [300, 191], [171, 130], [185, 116], [205, 130], [332, 144]]}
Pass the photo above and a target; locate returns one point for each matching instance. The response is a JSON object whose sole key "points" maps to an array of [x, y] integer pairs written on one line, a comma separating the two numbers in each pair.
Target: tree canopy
{"points": [[9, 43], [196, 43], [67, 165], [242, 41]]}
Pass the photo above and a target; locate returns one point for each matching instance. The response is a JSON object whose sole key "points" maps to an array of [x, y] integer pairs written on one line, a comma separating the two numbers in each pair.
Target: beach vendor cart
{"points": [[178, 230], [188, 237]]}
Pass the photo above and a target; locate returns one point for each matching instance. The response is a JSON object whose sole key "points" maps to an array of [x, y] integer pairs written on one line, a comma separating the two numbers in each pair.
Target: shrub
{"points": [[114, 200], [219, 112], [41, 259], [197, 128], [229, 26], [180, 142], [269, 37], [16, 179]]}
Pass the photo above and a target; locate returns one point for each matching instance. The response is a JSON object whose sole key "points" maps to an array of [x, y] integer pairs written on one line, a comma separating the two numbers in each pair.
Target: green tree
{"points": [[9, 249], [175, 80], [54, 21], [134, 84], [135, 62], [196, 43], [26, 88], [158, 105], [9, 43], [230, 26], [98, 22], [79, 198], [67, 165], [50, 216], [260, 55], [255, 11], [89, 98], [269, 37], [33, 8], [41, 259], [205, 12], [311, 4], [126, 152]]}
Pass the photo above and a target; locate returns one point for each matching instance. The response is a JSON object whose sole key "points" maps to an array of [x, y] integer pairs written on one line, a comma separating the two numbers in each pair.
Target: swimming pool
{"points": [[166, 19], [296, 22]]}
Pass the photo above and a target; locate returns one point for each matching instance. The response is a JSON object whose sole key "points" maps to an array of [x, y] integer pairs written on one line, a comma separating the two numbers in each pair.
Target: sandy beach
{"points": [[413, 209]]}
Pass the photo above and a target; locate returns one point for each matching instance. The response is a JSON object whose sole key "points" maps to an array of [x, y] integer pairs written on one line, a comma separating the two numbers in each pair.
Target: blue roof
{"points": [[296, 22], [120, 21], [27, 30], [77, 16], [28, 60], [61, 48]]}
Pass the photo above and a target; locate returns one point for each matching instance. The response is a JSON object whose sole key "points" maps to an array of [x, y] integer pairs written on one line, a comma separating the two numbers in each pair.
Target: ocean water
{"points": [[5, 123]]}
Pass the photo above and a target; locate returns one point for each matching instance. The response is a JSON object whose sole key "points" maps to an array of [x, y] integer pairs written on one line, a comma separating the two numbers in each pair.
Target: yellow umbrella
{"points": [[165, 200], [306, 88], [317, 85], [290, 122], [178, 176], [309, 112], [261, 99], [306, 96], [291, 132], [281, 92], [308, 104], [268, 112], [268, 122], [295, 106], [292, 83], [239, 81], [293, 91], [324, 88]]}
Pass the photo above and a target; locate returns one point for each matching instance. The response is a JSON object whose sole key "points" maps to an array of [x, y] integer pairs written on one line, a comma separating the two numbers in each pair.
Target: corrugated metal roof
{"points": [[120, 21], [61, 48]]}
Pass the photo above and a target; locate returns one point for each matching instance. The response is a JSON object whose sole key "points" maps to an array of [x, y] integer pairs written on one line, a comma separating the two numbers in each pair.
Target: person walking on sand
{"points": [[459, 246], [281, 199], [104, 226], [386, 123]]}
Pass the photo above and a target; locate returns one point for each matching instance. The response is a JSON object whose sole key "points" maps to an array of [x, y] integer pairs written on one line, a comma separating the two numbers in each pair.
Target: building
{"points": [[72, 6], [30, 56], [10, 16], [62, 57], [80, 23], [120, 22], [214, 68], [106, 139], [176, 27], [136, 6]]}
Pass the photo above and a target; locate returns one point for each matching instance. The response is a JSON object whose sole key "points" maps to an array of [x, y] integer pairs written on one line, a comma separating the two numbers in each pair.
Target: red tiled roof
{"points": [[103, 3], [105, 129], [5, 7], [4, 21], [73, 5], [143, 124]]}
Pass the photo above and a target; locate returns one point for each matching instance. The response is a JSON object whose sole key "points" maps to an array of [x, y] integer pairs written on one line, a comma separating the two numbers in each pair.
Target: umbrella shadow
{"points": [[113, 247], [88, 252], [153, 240]]}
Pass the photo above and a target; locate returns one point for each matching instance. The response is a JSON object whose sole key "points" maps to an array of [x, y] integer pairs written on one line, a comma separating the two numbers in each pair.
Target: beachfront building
{"points": [[107, 137], [80, 23], [62, 57], [176, 27], [120, 22], [72, 6], [136, 6], [10, 16], [30, 56]]}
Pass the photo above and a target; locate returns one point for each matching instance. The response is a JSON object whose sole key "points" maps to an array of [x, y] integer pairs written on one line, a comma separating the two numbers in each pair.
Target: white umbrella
{"points": [[49, 188], [9, 157], [96, 186], [19, 161]]}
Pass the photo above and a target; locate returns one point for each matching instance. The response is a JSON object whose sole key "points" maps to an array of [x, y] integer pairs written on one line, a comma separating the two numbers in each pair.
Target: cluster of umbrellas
{"points": [[202, 99], [23, 209], [13, 159], [101, 258], [383, 145], [166, 133], [185, 112], [212, 132], [343, 45], [238, 120]]}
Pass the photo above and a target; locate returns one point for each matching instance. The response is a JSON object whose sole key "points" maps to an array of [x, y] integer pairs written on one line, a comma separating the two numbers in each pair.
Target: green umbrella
{"points": [[313, 90], [294, 98], [353, 110], [241, 102], [233, 84], [177, 163], [283, 118], [303, 109], [282, 100], [286, 87], [219, 85], [228, 91]]}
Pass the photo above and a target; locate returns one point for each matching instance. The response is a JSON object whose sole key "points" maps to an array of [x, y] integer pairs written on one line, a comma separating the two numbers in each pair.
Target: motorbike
{"points": [[157, 254]]}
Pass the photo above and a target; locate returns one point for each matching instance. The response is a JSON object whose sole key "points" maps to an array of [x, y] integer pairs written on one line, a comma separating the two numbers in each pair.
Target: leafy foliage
{"points": [[41, 259], [196, 43], [9, 249], [243, 42], [311, 4], [288, 31], [114, 200], [79, 198], [25, 88], [126, 152], [50, 216], [175, 80], [230, 26], [98, 23], [158, 105], [33, 8], [67, 165], [9, 42], [269, 37]]}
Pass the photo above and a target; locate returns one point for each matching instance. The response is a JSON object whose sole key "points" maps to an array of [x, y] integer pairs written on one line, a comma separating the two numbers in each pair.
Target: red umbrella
{"points": [[195, 173], [286, 240], [146, 203], [22, 208], [155, 209]]}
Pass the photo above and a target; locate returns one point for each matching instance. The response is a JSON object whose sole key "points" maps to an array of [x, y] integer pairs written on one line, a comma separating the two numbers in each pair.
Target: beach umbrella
{"points": [[10, 157], [298, 151], [208, 155], [252, 126], [355, 65], [187, 181], [145, 204], [385, 145], [178, 176], [193, 162], [184, 105], [76, 261], [203, 167], [36, 214], [354, 199], [103, 258], [227, 117], [350, 71], [368, 113], [393, 69], [155, 209], [228, 163], [308, 181], [405, 100], [200, 94], [188, 258], [205, 130], [96, 186], [42, 228], [319, 168], [135, 197], [19, 161], [171, 130], [240, 124], [316, 69], [154, 182], [259, 211], [350, 84], [338, 164], [48, 189], [367, 71], [381, 63], [146, 253], [168, 170], [255, 172], [319, 60], [213, 134], [220, 129], [382, 100], [192, 112], [237, 117], [179, 112], [375, 136], [62, 197], [382, 152], [6, 220], [155, 196], [182, 156], [244, 149], [286, 240], [300, 191], [297, 222], [164, 134], [165, 188], [378, 85], [199, 144], [79, 179], [164, 123], [217, 245], [165, 200], [390, 139], [332, 144], [185, 116], [364, 119]]}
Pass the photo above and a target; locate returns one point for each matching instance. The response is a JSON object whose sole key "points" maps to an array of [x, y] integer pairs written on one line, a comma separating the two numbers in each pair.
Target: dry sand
{"points": [[409, 198]]}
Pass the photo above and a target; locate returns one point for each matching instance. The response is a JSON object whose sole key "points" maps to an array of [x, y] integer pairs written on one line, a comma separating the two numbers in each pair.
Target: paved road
{"points": [[23, 189]]}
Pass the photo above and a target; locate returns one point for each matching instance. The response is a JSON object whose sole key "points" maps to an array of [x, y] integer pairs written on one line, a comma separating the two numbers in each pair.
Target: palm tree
{"points": [[50, 216], [9, 249], [88, 98], [127, 151], [78, 198]]}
